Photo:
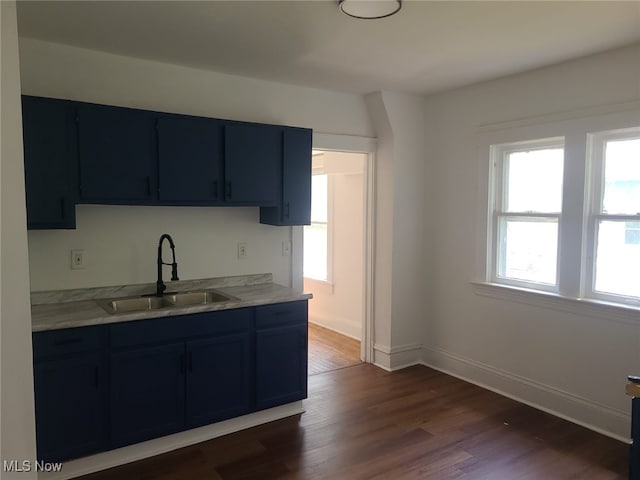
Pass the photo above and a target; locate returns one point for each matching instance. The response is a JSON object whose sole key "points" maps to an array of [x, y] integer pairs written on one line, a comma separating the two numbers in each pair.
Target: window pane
{"points": [[622, 177], [319, 198], [618, 258], [534, 181], [528, 250], [315, 251]]}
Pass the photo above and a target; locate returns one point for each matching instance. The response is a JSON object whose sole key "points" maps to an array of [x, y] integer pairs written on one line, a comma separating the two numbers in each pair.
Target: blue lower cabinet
{"points": [[219, 380], [100, 388], [147, 393], [281, 365], [71, 407]]}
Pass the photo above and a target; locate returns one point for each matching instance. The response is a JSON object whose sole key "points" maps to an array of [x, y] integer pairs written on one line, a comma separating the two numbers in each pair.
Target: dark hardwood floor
{"points": [[329, 350], [364, 423]]}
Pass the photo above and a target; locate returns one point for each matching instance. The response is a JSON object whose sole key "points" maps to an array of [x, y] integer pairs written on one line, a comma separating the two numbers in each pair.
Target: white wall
{"points": [[574, 364], [17, 425], [120, 241], [402, 271], [339, 306], [120, 245]]}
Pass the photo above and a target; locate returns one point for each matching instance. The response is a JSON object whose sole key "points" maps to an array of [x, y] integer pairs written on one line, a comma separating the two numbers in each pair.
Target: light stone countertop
{"points": [[78, 308]]}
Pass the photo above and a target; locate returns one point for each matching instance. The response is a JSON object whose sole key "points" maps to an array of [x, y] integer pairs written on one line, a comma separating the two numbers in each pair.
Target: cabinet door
{"points": [[190, 153], [147, 393], [50, 162], [117, 155], [218, 378], [70, 398], [296, 177], [253, 164], [295, 208], [281, 365]]}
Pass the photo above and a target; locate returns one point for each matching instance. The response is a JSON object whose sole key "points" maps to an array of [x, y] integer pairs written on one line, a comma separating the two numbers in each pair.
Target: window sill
{"points": [[578, 306], [320, 285]]}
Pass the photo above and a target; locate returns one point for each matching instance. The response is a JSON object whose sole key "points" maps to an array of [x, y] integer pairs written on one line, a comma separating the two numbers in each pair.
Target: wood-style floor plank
{"points": [[329, 350], [364, 423]]}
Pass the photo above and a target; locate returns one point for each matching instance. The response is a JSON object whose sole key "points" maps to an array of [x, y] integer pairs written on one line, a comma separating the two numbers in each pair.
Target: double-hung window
{"points": [[613, 227], [526, 214], [316, 236], [590, 249]]}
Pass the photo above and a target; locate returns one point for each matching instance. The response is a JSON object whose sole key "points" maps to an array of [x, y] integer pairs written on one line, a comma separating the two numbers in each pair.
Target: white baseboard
{"points": [[397, 357], [600, 418], [344, 326], [157, 446]]}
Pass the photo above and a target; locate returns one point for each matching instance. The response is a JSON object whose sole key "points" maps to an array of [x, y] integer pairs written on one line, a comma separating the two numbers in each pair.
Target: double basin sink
{"points": [[173, 300]]}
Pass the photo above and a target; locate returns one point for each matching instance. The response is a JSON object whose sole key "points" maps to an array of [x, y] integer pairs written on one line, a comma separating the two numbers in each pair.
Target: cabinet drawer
{"points": [[142, 332], [223, 322], [169, 329], [66, 341], [290, 313]]}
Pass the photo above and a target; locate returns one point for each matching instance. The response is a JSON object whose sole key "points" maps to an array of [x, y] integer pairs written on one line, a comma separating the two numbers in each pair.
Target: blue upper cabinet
{"points": [[50, 162], [96, 154], [253, 164], [190, 160], [117, 154], [295, 205]]}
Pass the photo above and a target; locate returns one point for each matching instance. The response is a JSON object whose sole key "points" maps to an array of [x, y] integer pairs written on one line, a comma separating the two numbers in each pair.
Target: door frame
{"points": [[368, 146]]}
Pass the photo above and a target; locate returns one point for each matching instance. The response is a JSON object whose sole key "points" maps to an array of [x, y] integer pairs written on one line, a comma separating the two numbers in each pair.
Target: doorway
{"points": [[334, 260]]}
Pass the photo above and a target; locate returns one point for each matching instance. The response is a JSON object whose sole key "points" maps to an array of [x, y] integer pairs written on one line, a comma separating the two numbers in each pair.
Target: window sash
{"points": [[597, 143], [499, 189]]}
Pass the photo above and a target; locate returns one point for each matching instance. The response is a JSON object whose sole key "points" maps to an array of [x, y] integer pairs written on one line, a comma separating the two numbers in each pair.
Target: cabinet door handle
{"points": [[282, 313], [148, 182], [228, 191], [190, 362], [215, 189], [62, 209], [286, 210], [182, 363]]}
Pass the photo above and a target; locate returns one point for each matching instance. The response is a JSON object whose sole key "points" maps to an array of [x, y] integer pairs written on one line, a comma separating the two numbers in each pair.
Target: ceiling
{"points": [[426, 48]]}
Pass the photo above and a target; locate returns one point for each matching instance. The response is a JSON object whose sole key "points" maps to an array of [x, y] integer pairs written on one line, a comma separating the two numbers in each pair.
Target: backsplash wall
{"points": [[120, 246]]}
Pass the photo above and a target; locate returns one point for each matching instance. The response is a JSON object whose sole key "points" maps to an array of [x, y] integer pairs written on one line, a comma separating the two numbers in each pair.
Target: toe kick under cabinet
{"points": [[107, 386]]}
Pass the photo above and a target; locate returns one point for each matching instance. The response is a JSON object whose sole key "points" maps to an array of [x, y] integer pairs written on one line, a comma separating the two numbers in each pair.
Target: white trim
{"points": [[369, 253], [594, 111], [344, 326], [595, 416], [326, 287], [139, 451], [349, 143], [344, 143], [609, 312], [397, 357]]}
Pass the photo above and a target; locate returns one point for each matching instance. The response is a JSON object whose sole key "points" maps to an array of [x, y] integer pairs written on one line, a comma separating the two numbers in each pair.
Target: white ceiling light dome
{"points": [[369, 9]]}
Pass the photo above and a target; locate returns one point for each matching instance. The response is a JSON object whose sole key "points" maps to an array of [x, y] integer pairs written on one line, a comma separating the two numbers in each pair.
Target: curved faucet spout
{"points": [[160, 286]]}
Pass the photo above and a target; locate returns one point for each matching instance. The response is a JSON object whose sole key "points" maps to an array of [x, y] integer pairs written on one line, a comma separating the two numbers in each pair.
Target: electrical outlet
{"points": [[77, 259], [286, 248], [242, 250]]}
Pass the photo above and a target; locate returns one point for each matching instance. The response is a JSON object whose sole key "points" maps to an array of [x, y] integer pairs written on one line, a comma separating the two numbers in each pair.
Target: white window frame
{"points": [[596, 143], [499, 154]]}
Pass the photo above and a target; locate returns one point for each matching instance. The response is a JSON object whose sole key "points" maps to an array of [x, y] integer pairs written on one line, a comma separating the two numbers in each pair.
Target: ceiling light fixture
{"points": [[369, 9]]}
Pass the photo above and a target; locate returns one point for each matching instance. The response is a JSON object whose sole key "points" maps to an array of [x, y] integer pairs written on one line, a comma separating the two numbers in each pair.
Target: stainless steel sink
{"points": [[196, 298], [136, 304], [175, 300]]}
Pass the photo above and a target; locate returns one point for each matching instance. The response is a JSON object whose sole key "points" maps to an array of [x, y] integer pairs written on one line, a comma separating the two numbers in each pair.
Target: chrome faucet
{"points": [[160, 286]]}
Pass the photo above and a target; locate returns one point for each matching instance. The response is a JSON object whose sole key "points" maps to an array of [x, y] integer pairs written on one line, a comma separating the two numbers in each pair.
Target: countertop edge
{"points": [[74, 314]]}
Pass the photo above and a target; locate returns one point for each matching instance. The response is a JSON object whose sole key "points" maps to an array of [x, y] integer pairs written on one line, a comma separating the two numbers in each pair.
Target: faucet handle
{"points": [[174, 272]]}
